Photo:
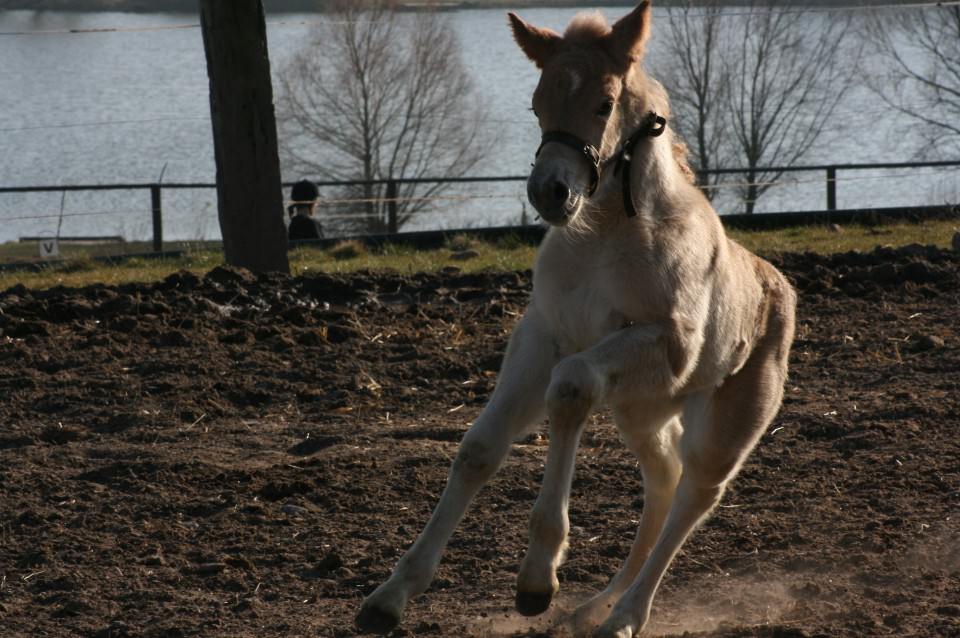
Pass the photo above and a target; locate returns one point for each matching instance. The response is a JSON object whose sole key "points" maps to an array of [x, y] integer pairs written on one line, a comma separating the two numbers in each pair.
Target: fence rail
{"points": [[391, 198]]}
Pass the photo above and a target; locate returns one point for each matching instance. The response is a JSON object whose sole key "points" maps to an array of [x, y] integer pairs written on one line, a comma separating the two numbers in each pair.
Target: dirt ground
{"points": [[240, 456]]}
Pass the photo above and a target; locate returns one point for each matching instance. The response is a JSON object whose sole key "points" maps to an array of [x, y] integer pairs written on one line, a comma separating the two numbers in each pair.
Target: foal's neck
{"points": [[657, 185]]}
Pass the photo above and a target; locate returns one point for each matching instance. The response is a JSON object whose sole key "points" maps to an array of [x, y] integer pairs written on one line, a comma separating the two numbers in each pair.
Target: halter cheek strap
{"points": [[653, 125]]}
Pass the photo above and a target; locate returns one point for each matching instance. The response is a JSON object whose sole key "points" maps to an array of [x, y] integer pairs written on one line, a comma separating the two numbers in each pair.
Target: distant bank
{"points": [[283, 6], [306, 6]]}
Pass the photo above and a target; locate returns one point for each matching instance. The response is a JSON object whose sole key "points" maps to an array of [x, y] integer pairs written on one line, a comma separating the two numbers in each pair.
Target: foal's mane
{"points": [[586, 27]]}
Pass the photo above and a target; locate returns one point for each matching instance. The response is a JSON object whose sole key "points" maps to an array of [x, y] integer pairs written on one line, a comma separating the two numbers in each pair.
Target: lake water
{"points": [[94, 108]]}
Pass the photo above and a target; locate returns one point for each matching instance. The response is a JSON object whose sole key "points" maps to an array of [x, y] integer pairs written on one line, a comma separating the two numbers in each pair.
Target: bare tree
{"points": [[790, 71], [918, 51], [698, 78], [789, 76], [377, 96]]}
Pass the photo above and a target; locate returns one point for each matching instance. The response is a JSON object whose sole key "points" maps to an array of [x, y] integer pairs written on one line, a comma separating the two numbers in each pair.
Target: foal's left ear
{"points": [[629, 36], [538, 44]]}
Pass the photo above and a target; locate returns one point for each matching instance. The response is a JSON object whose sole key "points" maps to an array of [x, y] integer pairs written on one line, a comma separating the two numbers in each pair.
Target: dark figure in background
{"points": [[303, 225]]}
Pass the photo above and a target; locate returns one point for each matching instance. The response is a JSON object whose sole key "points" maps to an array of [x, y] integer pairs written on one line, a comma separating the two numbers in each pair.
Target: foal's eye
{"points": [[534, 111], [606, 108]]}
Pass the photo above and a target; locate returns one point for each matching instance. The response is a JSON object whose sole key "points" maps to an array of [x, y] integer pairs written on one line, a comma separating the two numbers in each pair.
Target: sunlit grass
{"points": [[822, 239], [504, 255]]}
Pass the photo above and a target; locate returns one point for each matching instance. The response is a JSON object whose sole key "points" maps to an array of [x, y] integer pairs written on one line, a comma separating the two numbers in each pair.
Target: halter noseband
{"points": [[653, 125]]}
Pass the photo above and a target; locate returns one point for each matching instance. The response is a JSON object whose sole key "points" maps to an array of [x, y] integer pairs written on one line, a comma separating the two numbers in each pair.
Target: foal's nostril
{"points": [[560, 192]]}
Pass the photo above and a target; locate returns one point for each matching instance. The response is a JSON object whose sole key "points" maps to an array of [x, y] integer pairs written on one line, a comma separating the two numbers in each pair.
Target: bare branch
{"points": [[380, 95], [920, 52], [793, 72]]}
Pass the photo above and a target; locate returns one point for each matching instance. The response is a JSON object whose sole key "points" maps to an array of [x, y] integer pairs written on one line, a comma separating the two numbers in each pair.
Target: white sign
{"points": [[49, 248]]}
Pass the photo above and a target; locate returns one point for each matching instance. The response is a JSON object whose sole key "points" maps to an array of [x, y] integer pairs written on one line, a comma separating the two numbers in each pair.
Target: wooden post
{"points": [[249, 197], [392, 207], [157, 218], [832, 188]]}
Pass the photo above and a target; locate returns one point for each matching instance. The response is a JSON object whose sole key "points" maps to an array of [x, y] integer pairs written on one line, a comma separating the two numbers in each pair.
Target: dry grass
{"points": [[822, 239], [507, 254]]}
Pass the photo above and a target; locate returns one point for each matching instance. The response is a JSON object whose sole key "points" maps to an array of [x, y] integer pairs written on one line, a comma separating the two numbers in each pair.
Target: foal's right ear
{"points": [[629, 35], [538, 44]]}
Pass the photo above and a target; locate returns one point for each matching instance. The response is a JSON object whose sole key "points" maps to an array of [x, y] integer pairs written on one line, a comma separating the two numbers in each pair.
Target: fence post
{"points": [[157, 218], [832, 188], [392, 207]]}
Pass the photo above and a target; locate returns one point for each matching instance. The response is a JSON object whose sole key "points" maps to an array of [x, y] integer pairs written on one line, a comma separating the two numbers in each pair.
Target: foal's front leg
{"points": [[636, 358], [517, 401]]}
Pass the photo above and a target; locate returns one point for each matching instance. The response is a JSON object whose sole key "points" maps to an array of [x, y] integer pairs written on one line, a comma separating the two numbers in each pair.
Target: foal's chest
{"points": [[582, 311]]}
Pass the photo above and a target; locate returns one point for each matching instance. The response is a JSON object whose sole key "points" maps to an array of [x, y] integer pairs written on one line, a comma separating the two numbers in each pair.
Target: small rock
{"points": [[205, 569], [884, 273], [117, 629], [956, 242], [914, 250], [313, 444], [59, 435], [330, 563], [464, 255], [172, 339], [917, 271], [238, 337], [152, 559], [928, 342], [294, 510], [835, 228], [240, 562], [183, 279], [230, 275], [312, 337]]}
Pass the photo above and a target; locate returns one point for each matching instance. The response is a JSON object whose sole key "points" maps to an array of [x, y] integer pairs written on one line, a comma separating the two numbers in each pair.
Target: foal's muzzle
{"points": [[552, 197], [557, 188]]}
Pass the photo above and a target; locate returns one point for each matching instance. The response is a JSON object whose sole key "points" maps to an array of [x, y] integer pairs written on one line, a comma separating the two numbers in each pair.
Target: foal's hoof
{"points": [[373, 620], [531, 603]]}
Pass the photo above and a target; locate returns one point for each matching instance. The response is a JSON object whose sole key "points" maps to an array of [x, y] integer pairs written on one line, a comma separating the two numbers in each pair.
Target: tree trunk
{"points": [[249, 194]]}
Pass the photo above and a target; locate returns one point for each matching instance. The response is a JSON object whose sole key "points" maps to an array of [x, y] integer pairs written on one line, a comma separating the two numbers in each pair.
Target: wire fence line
{"points": [[274, 23], [389, 201]]}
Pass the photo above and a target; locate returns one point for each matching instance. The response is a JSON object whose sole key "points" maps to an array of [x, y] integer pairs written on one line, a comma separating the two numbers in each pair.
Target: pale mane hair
{"points": [[681, 155]]}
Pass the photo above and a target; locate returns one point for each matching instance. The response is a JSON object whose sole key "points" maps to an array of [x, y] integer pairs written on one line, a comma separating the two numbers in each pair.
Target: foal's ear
{"points": [[629, 35], [538, 44]]}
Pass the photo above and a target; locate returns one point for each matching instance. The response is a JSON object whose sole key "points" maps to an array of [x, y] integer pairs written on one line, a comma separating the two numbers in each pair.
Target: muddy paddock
{"points": [[240, 456]]}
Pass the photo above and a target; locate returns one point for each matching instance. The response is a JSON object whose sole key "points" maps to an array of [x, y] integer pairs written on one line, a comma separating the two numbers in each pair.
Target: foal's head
{"points": [[592, 92]]}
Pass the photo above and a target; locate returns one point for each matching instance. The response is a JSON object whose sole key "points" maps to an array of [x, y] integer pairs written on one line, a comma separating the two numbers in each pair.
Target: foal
{"points": [[640, 303]]}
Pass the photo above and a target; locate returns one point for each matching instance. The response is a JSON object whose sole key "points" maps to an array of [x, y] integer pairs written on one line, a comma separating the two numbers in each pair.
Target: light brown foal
{"points": [[640, 303]]}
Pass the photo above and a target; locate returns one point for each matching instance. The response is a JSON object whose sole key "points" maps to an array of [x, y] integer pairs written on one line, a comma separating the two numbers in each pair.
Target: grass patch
{"points": [[462, 241], [349, 249], [504, 255], [822, 239]]}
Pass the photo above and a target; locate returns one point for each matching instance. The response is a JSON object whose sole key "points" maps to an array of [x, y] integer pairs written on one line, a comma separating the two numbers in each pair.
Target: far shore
{"points": [[281, 6], [307, 6]]}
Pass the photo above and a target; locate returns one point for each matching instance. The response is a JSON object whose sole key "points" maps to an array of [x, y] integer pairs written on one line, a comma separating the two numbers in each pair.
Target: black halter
{"points": [[653, 125]]}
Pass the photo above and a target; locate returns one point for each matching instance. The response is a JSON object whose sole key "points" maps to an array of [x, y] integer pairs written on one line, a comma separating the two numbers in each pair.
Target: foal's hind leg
{"points": [[657, 450], [517, 402], [719, 432]]}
